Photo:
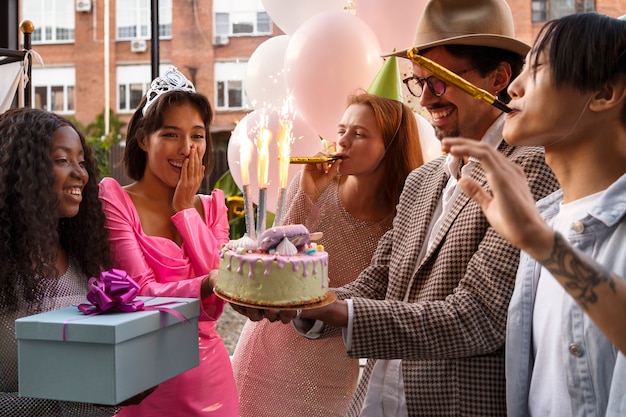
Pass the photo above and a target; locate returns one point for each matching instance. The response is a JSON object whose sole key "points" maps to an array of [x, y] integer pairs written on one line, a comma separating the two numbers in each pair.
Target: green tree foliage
{"points": [[98, 141]]}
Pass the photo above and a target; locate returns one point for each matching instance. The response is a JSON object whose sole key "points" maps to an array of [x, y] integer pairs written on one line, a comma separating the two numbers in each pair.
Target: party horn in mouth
{"points": [[313, 159], [448, 76]]}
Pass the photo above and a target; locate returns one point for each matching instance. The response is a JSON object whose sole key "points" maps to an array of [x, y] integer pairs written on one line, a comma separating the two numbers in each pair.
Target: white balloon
{"points": [[430, 143], [306, 143], [265, 82], [288, 15]]}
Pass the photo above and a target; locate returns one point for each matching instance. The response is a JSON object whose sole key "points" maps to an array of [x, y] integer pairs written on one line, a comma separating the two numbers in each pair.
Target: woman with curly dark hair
{"points": [[52, 237]]}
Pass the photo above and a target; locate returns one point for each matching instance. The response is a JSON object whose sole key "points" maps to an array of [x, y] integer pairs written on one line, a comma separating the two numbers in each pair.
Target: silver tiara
{"points": [[172, 80]]}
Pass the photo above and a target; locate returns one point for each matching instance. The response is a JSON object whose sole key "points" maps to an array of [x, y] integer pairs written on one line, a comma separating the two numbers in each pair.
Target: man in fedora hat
{"points": [[430, 310]]}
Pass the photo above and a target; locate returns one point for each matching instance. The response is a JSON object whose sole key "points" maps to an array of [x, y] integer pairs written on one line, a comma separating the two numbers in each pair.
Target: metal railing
{"points": [[8, 56]]}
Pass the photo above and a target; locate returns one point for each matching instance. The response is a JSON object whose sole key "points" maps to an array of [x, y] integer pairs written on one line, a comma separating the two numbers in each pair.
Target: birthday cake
{"points": [[283, 268]]}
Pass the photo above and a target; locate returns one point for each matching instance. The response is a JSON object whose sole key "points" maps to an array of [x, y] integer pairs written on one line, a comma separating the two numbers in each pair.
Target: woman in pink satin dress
{"points": [[167, 237]]}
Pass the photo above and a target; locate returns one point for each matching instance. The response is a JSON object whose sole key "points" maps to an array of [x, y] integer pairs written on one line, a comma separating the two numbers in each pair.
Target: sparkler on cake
{"points": [[262, 141], [281, 266], [264, 144]]}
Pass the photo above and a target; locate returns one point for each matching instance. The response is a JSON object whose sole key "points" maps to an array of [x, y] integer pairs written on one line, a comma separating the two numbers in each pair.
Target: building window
{"points": [[229, 94], [133, 82], [222, 25], [130, 95], [53, 89], [53, 20], [229, 78], [263, 22], [133, 21], [544, 10], [241, 18]]}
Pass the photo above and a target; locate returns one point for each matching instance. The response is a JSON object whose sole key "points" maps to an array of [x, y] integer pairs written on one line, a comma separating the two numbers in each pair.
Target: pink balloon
{"points": [[306, 143], [265, 82], [331, 55], [288, 15], [393, 22]]}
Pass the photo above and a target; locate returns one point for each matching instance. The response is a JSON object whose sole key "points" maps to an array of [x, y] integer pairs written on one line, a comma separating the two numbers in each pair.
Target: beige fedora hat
{"points": [[466, 22]]}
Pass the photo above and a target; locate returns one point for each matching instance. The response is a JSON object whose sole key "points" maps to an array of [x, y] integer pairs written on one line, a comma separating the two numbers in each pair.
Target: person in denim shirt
{"points": [[566, 333]]}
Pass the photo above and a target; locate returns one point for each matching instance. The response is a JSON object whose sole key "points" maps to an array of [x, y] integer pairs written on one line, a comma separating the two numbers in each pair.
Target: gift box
{"points": [[109, 357]]}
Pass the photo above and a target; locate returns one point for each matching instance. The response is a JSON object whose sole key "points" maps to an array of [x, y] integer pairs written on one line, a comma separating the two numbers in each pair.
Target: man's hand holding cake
{"points": [[282, 269]]}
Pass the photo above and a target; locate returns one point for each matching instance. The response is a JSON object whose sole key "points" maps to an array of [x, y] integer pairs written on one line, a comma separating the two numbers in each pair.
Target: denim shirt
{"points": [[595, 369]]}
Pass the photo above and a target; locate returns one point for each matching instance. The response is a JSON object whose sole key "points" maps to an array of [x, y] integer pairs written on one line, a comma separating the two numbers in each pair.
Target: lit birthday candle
{"points": [[283, 143], [263, 160]]}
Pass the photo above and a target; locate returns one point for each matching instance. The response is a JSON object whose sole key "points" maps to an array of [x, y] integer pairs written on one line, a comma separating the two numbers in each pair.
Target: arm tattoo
{"points": [[581, 275]]}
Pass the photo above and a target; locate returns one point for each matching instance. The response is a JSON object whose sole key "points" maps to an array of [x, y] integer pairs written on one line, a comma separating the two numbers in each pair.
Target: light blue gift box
{"points": [[106, 358]]}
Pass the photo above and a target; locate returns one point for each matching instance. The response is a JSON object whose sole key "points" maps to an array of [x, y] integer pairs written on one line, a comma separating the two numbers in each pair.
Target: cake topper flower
{"points": [[172, 80]]}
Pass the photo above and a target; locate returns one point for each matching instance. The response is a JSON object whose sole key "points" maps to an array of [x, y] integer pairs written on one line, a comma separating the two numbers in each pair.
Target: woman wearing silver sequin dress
{"points": [[277, 371], [52, 238]]}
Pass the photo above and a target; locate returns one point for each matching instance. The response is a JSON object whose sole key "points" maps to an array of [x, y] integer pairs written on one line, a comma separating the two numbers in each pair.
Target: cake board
{"points": [[330, 298]]}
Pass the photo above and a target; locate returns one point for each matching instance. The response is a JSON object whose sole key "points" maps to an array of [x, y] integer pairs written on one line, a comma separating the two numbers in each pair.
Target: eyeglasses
{"points": [[435, 85]]}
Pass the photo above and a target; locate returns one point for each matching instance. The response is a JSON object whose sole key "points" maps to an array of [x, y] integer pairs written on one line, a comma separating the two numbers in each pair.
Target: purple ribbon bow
{"points": [[114, 290]]}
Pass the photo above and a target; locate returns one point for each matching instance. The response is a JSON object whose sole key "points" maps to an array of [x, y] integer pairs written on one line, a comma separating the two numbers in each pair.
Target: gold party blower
{"points": [[328, 147], [448, 76], [312, 159]]}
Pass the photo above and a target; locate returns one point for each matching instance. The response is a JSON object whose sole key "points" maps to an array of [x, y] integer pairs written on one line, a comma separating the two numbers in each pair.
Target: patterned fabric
{"points": [[164, 269], [451, 332], [69, 289], [277, 371]]}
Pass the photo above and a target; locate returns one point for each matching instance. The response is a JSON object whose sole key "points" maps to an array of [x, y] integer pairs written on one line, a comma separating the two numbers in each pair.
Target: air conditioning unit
{"points": [[83, 6], [138, 45], [221, 40]]}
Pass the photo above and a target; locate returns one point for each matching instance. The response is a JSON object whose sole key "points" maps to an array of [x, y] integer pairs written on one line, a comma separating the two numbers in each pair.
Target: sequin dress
{"points": [[69, 289], [277, 371]]}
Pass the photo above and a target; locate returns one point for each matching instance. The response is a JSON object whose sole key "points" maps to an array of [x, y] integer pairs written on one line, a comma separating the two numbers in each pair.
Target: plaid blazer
{"points": [[451, 332]]}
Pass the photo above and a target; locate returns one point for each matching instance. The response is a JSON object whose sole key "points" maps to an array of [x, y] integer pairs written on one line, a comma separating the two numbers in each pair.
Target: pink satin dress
{"points": [[162, 268]]}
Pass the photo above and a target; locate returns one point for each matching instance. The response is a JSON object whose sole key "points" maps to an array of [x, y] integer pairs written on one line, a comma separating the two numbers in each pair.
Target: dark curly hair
{"points": [[30, 229]]}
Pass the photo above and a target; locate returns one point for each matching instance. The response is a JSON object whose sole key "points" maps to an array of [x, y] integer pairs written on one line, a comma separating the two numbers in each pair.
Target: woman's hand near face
{"points": [[191, 176], [315, 178]]}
